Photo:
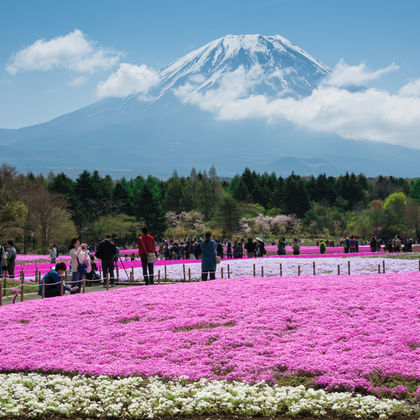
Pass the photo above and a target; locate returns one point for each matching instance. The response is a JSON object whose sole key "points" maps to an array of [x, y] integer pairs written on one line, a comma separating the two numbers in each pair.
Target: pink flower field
{"points": [[361, 333]]}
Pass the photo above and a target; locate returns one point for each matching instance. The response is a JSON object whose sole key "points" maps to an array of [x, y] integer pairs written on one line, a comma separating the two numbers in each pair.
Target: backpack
{"points": [[98, 253]]}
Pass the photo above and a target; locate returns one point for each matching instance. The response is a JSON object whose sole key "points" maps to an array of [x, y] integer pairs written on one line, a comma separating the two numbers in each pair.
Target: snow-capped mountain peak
{"points": [[286, 69]]}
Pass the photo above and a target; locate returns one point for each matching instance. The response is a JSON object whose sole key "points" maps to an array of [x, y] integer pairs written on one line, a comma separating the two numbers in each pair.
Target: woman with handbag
{"points": [[147, 253], [209, 257]]}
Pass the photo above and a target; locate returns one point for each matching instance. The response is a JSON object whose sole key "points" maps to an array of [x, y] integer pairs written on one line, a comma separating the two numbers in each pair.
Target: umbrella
{"points": [[261, 240]]}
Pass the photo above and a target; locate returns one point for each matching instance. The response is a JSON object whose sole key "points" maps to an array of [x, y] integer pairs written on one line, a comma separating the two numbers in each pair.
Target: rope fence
{"points": [[127, 278]]}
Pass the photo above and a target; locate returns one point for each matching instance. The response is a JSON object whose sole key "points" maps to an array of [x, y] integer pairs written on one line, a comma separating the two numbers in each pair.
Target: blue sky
{"points": [[154, 33]]}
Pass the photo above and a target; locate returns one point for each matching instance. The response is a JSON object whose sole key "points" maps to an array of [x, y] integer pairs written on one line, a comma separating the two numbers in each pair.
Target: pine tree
{"points": [[296, 196], [228, 213], [121, 196], [152, 213], [173, 194]]}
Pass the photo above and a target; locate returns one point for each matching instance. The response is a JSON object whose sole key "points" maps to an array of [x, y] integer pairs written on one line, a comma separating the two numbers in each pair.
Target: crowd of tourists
{"points": [[8, 255], [190, 249], [208, 250]]}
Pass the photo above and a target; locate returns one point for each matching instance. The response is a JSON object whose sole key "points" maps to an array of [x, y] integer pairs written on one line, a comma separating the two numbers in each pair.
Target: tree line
{"points": [[36, 210]]}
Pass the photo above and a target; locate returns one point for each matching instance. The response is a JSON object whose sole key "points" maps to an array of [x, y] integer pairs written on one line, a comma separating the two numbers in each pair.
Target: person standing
{"points": [[352, 244], [220, 250], [75, 251], [281, 247], [147, 252], [397, 243], [11, 259], [250, 248], [346, 245], [229, 252], [296, 247], [106, 252], [373, 244], [53, 254], [2, 256], [208, 257], [161, 251], [260, 248]]}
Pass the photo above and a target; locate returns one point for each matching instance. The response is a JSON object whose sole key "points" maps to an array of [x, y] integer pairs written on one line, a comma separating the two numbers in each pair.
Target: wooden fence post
{"points": [[5, 281], [281, 270], [43, 289], [166, 276], [348, 267], [131, 278], [254, 270], [262, 271], [228, 266], [313, 267], [379, 268], [221, 272], [383, 266], [62, 287], [118, 273], [22, 287], [189, 274], [183, 269], [158, 276], [298, 270], [107, 281]]}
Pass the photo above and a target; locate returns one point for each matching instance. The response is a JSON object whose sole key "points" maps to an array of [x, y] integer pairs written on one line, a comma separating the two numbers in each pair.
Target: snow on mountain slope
{"points": [[277, 67]]}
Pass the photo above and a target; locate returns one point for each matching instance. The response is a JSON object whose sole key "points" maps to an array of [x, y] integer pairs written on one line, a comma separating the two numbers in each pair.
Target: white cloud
{"points": [[345, 75], [411, 89], [370, 114], [78, 81], [128, 79], [72, 51]]}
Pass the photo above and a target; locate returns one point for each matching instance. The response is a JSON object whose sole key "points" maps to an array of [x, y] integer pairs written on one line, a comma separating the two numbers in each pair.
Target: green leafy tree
{"points": [[394, 214]]}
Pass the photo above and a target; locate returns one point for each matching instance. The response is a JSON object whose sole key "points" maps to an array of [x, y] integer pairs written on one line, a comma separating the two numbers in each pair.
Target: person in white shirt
{"points": [[53, 253]]}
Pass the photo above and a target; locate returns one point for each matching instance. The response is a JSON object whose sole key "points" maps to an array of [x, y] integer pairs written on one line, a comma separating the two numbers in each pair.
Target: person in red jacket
{"points": [[147, 247]]}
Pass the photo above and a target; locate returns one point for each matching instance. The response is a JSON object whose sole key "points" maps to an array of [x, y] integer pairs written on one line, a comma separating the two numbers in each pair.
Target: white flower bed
{"points": [[34, 395], [244, 267]]}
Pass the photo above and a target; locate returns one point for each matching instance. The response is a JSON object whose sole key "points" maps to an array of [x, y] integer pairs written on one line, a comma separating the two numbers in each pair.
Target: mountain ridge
{"points": [[131, 136]]}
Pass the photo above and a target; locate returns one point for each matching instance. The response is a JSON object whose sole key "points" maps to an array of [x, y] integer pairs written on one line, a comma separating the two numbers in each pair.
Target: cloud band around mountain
{"points": [[129, 79], [368, 114], [72, 52]]}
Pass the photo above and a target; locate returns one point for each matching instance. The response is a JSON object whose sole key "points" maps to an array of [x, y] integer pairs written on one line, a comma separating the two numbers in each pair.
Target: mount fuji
{"points": [[167, 130], [285, 69]]}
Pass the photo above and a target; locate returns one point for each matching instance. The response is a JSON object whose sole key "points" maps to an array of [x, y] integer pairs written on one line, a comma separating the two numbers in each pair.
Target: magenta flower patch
{"points": [[345, 332]]}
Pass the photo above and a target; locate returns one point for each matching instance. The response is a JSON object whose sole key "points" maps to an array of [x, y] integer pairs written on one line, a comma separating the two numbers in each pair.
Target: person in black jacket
{"points": [[250, 247], [106, 252]]}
